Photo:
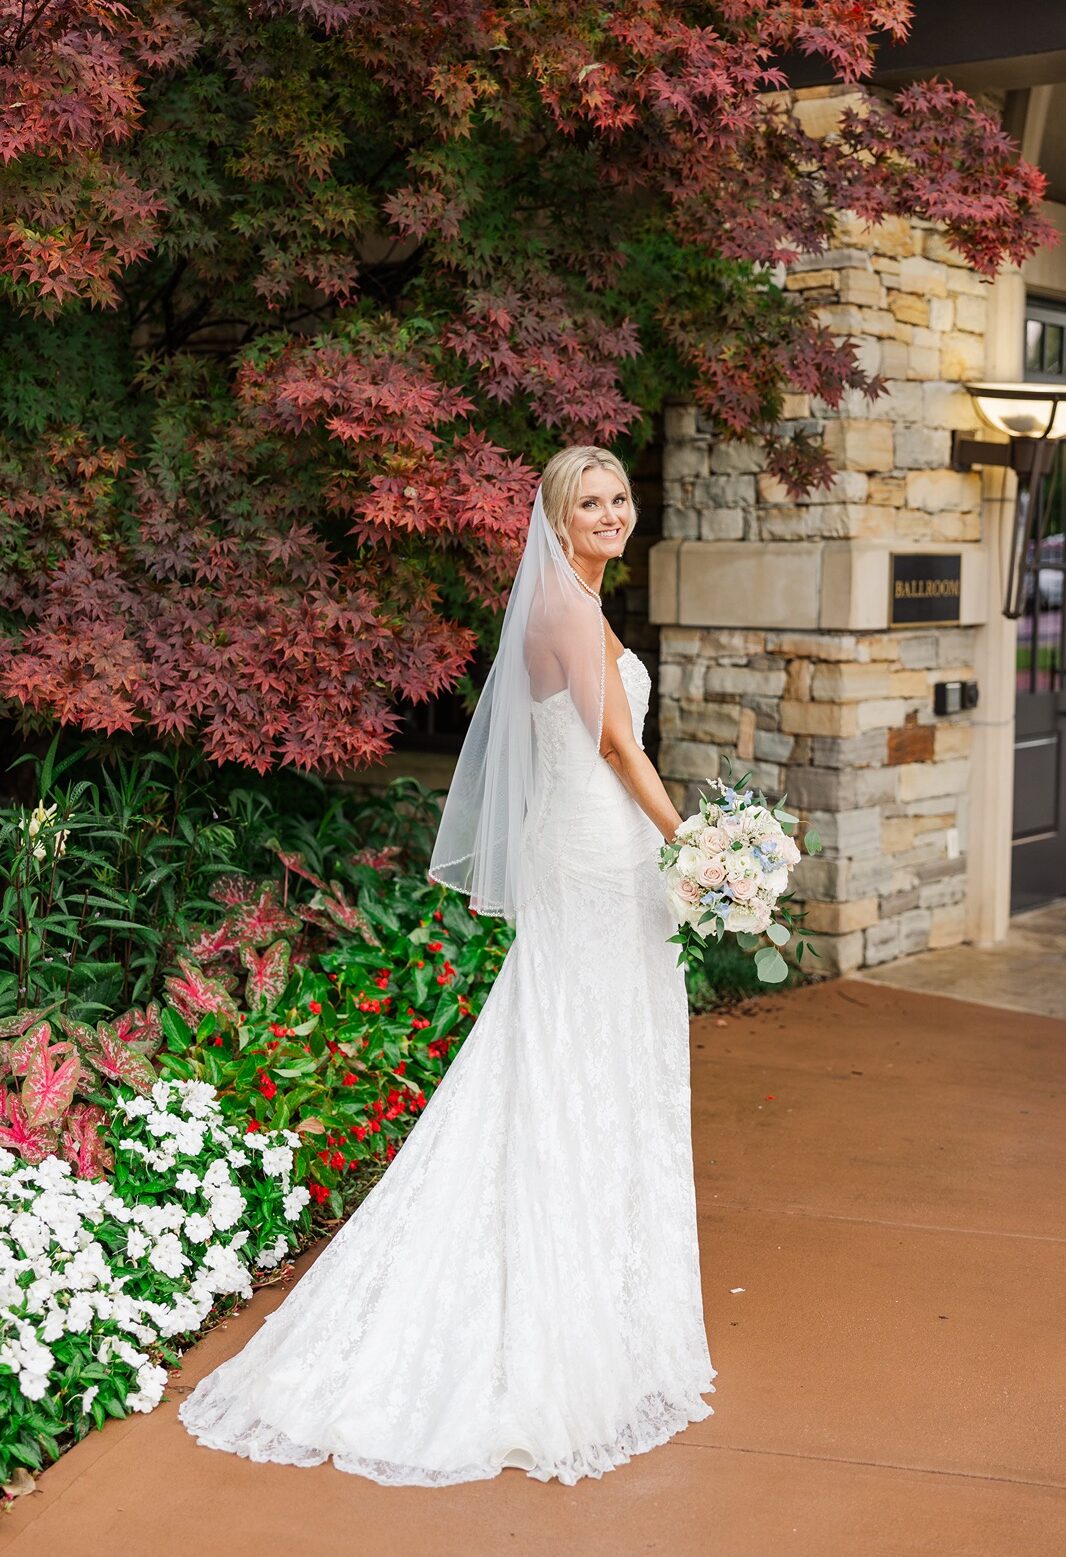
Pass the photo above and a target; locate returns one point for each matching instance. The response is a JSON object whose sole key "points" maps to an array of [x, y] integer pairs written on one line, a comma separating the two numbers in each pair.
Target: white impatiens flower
{"points": [[168, 1257], [277, 1161], [133, 1107], [30, 1232], [198, 1228], [137, 1244], [271, 1256], [106, 1270], [198, 1098], [295, 1201], [151, 1382]]}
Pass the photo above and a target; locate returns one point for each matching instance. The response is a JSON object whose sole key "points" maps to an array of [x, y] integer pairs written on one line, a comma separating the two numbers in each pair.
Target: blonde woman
{"points": [[522, 1287]]}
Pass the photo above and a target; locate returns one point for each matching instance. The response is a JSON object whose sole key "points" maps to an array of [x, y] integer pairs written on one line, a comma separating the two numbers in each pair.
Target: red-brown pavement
{"points": [[882, 1173]]}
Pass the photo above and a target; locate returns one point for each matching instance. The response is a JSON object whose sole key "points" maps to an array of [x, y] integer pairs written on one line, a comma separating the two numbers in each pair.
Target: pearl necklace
{"points": [[586, 587]]}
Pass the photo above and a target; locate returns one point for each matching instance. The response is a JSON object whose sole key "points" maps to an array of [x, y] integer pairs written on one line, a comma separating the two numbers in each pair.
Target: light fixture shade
{"points": [[1022, 410]]}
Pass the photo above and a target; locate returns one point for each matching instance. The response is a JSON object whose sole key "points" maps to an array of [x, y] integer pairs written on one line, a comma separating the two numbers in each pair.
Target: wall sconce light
{"points": [[1033, 416]]}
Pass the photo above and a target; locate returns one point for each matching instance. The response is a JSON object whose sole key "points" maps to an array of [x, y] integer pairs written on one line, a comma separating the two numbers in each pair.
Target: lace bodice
{"points": [[556, 720], [586, 823]]}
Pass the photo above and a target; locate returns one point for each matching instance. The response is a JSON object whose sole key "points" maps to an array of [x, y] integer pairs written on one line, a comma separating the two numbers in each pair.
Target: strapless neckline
{"points": [[562, 692]]}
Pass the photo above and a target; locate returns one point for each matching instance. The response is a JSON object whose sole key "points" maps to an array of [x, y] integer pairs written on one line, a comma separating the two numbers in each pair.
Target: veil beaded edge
{"points": [[553, 640]]}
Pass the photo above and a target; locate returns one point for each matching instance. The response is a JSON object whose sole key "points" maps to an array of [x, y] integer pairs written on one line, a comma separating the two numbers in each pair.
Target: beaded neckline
{"points": [[586, 587]]}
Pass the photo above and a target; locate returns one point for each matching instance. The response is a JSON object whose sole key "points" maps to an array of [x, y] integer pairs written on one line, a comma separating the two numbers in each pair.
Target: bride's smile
{"points": [[601, 520]]}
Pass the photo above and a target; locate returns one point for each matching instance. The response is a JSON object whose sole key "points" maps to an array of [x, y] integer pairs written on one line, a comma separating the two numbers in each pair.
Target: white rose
{"points": [[741, 863], [690, 828], [689, 860], [741, 919]]}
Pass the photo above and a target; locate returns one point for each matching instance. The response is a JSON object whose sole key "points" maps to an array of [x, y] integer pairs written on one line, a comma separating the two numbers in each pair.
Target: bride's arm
{"points": [[634, 767]]}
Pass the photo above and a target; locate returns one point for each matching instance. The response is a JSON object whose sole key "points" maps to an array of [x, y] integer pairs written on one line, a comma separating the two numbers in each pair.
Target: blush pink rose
{"points": [[689, 891], [712, 873], [712, 840], [744, 889]]}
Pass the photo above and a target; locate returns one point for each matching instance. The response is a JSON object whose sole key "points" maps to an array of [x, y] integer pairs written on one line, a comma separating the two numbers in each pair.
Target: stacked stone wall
{"points": [[844, 720], [844, 723]]}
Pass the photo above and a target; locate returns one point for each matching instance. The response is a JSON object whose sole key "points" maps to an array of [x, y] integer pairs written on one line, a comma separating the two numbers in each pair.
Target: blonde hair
{"points": [[561, 483]]}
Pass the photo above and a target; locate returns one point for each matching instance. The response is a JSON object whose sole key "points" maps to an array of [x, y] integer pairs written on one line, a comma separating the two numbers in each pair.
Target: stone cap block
{"points": [[735, 583], [793, 586]]}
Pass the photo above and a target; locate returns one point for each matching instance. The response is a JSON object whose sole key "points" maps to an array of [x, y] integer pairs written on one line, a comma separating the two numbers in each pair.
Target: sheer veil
{"points": [[553, 644]]}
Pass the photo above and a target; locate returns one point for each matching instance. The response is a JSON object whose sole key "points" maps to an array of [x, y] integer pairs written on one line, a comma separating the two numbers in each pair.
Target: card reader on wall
{"points": [[951, 697]]}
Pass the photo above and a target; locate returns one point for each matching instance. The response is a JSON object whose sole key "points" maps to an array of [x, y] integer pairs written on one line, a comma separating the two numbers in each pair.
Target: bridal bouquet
{"points": [[728, 870]]}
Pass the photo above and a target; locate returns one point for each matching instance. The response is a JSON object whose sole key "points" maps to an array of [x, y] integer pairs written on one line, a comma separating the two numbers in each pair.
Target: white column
{"points": [[992, 764]]}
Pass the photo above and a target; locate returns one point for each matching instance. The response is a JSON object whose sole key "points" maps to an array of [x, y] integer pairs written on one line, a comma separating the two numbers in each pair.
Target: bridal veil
{"points": [[553, 643]]}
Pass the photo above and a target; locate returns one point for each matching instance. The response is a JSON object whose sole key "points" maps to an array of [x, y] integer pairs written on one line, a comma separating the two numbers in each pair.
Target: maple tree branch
{"points": [[22, 31]]}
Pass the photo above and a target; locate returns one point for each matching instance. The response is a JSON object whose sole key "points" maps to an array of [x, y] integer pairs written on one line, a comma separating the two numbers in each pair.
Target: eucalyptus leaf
{"points": [[770, 965]]}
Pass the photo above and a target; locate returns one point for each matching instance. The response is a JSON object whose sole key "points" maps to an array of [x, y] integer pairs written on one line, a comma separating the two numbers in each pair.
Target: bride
{"points": [[522, 1287]]}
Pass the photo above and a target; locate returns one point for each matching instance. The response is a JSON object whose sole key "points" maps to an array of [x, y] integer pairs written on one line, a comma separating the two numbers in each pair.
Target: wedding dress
{"points": [[522, 1287]]}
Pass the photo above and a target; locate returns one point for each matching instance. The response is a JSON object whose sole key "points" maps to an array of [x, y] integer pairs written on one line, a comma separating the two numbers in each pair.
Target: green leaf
{"points": [[780, 934], [812, 841], [177, 1030], [770, 965]]}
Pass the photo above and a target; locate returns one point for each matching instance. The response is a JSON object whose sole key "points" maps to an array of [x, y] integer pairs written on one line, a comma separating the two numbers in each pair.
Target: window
{"points": [[1045, 340]]}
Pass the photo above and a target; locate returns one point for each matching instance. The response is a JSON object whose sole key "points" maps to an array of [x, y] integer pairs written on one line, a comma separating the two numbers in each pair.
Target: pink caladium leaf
{"points": [[51, 1076], [318, 917], [268, 973], [33, 1143], [22, 1021], [299, 867], [384, 860], [82, 1145], [140, 1030], [21, 1052], [261, 921], [345, 914], [195, 995], [79, 1033], [117, 1060], [207, 944], [230, 890]]}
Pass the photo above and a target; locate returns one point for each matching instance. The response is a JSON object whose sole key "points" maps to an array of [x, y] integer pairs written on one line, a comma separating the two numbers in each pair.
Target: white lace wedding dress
{"points": [[522, 1287]]}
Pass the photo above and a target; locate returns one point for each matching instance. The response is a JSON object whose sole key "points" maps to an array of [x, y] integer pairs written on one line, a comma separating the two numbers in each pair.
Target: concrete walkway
{"points": [[1025, 972], [881, 1172]]}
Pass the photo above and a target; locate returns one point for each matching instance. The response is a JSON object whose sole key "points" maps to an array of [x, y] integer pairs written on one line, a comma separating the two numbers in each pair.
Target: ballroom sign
{"points": [[925, 588]]}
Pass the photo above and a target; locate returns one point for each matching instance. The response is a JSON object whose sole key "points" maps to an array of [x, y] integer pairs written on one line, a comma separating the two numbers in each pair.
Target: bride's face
{"points": [[599, 517]]}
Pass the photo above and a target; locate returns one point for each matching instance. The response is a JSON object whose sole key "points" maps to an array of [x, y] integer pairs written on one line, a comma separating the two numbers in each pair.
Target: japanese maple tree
{"points": [[297, 295]]}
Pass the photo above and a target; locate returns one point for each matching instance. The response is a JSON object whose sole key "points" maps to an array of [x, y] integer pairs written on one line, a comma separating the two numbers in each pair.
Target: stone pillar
{"points": [[776, 647]]}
